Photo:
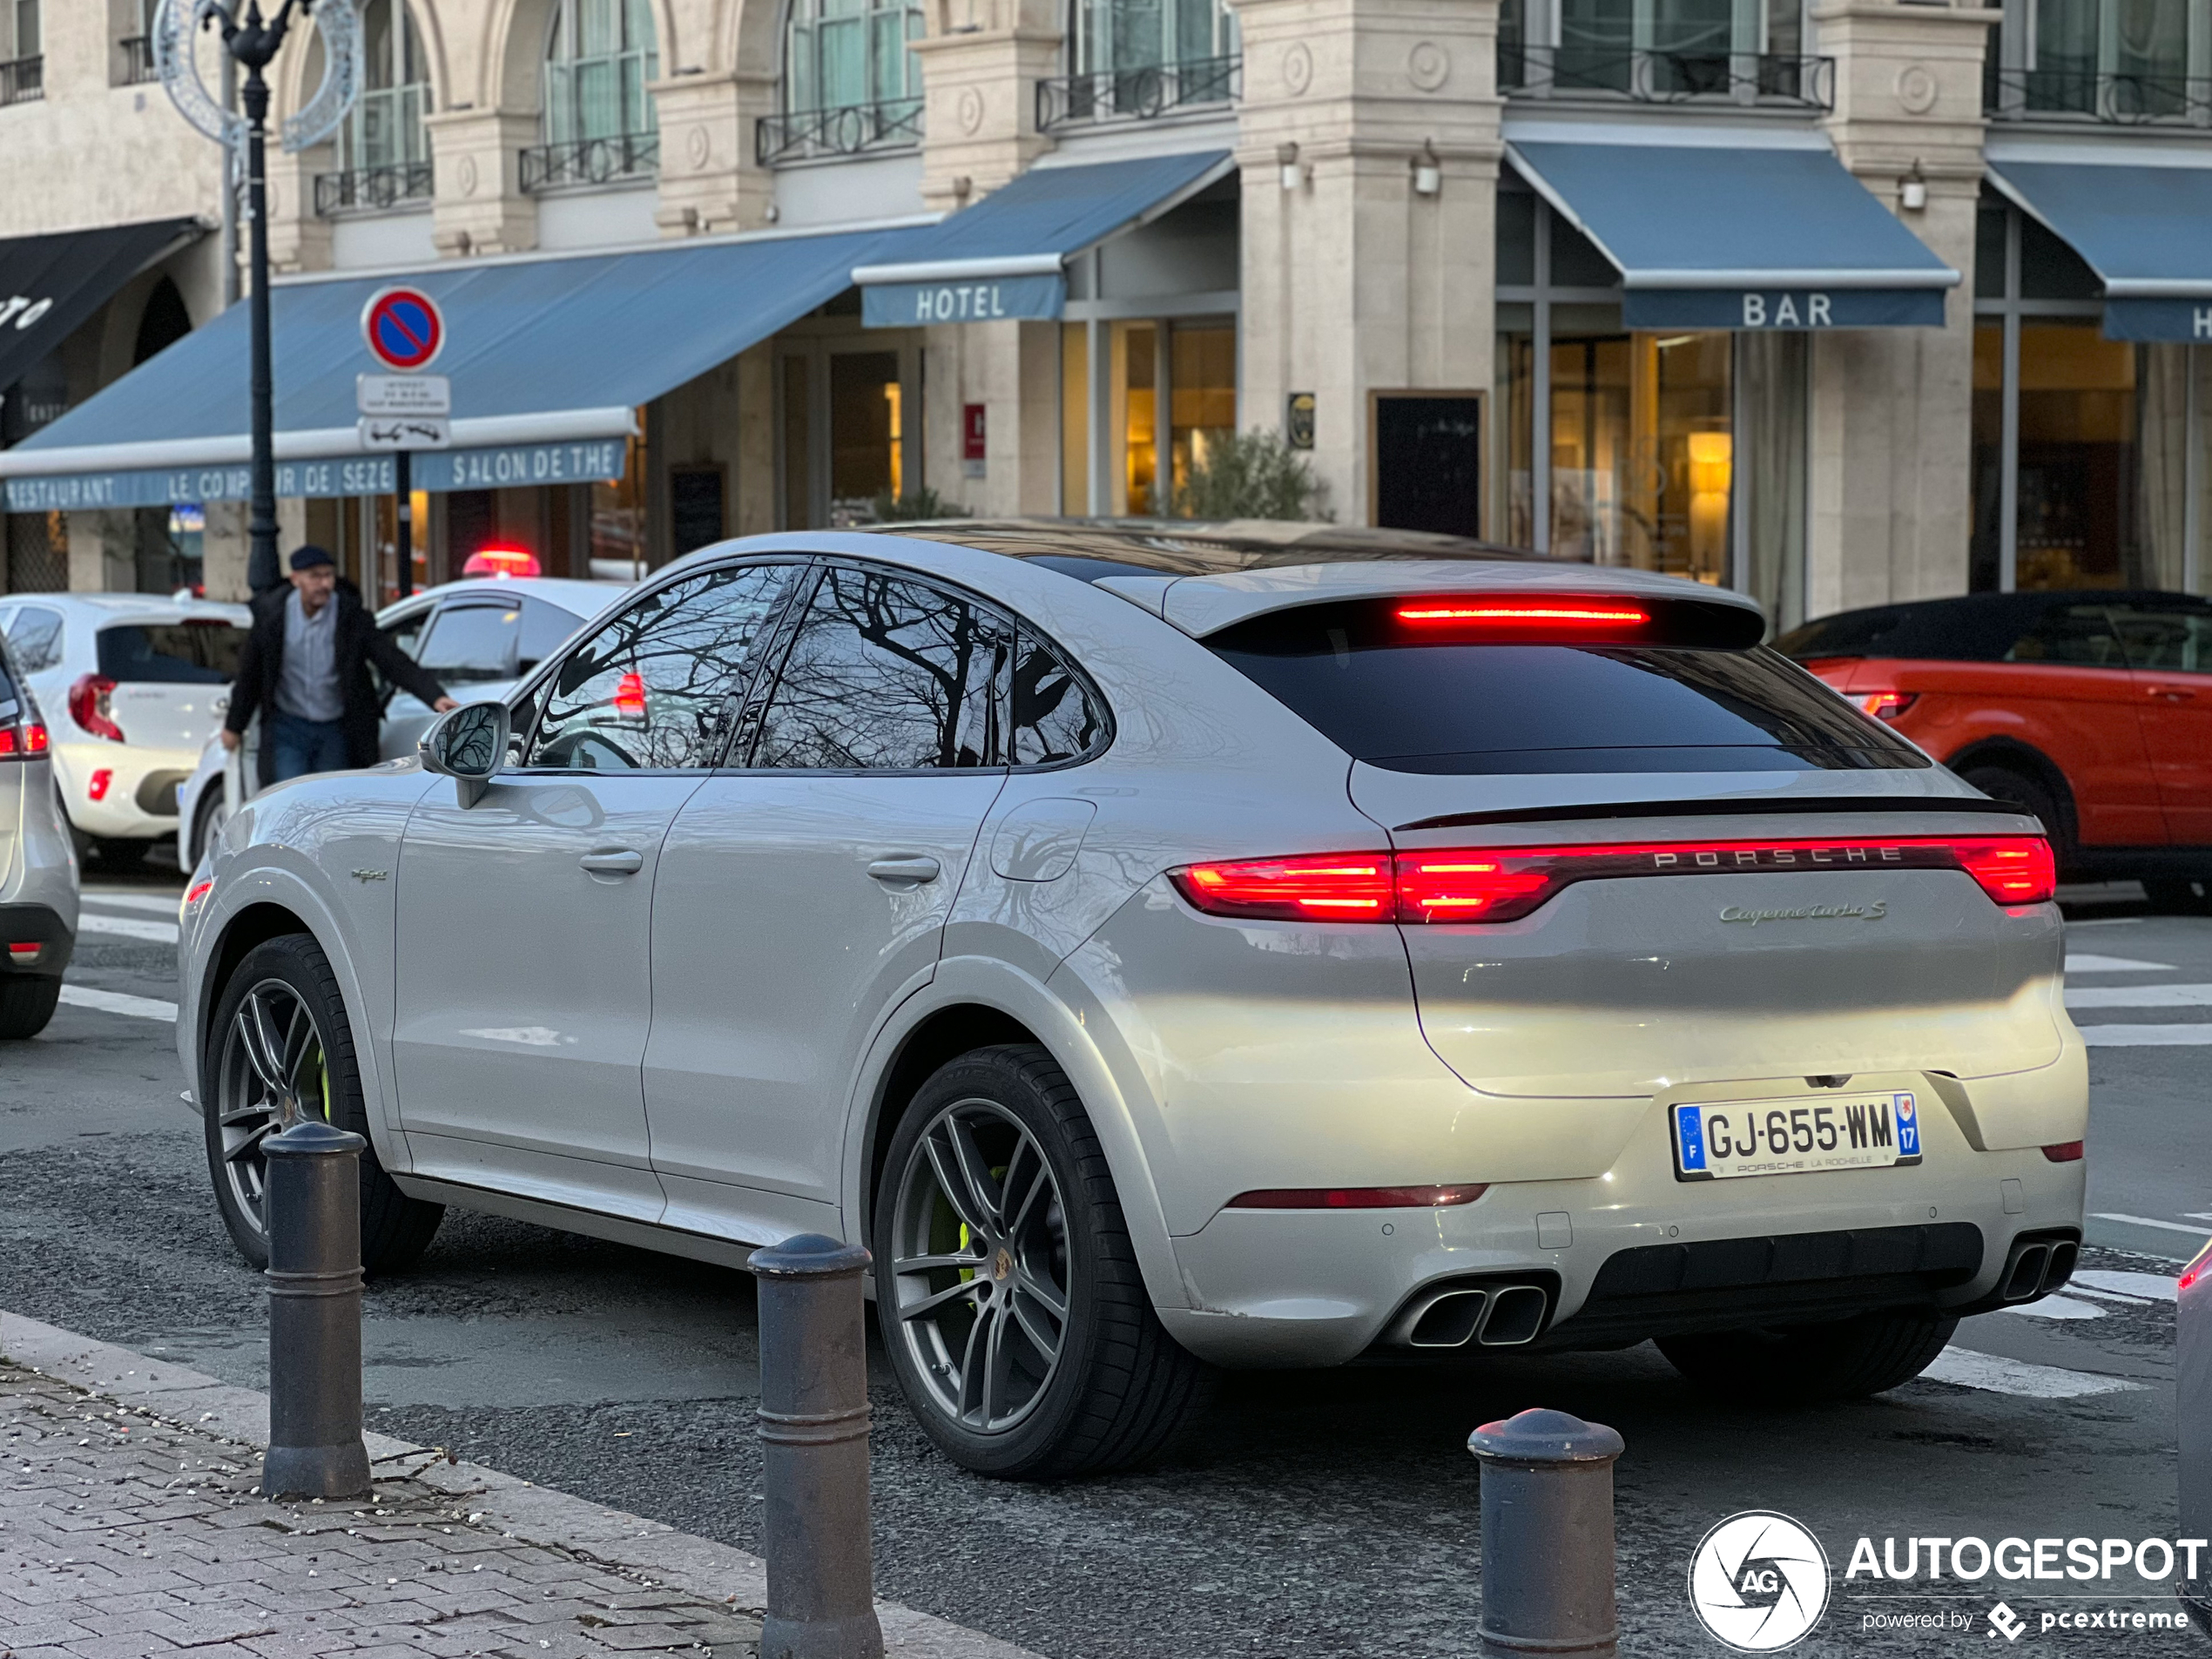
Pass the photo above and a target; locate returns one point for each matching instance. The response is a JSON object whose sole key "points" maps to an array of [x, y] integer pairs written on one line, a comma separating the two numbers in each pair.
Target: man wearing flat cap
{"points": [[305, 668]]}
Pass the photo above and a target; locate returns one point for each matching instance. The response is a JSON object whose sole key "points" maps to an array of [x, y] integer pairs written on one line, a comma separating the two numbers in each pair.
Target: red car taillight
{"points": [[1885, 705], [90, 706], [22, 740], [1506, 883]]}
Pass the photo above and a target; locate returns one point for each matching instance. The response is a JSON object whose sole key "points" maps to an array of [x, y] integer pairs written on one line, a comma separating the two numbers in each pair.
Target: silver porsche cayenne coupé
{"points": [[1177, 949]]}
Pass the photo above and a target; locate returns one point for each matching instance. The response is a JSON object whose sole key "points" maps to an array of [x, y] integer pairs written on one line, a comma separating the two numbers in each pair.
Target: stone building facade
{"points": [[1423, 241]]}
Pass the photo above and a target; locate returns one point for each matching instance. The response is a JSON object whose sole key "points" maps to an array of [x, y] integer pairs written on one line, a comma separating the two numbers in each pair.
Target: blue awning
{"points": [[1723, 237], [1007, 256], [548, 357], [2146, 231]]}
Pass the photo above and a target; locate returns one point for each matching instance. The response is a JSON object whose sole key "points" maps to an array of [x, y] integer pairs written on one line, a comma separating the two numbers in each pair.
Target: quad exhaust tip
{"points": [[1491, 1316]]}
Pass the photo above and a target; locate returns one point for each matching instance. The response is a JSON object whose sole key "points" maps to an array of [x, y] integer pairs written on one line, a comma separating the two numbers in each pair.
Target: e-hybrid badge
{"points": [[1717, 1139]]}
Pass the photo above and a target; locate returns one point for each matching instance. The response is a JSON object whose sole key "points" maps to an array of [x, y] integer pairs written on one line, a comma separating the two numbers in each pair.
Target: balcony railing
{"points": [[2085, 95], [22, 80], [368, 189], [591, 161], [851, 130], [1137, 94], [1774, 79], [137, 65]]}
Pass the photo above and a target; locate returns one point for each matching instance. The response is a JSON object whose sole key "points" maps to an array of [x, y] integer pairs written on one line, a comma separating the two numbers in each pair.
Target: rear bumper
{"points": [[38, 924], [139, 802], [1625, 1256]]}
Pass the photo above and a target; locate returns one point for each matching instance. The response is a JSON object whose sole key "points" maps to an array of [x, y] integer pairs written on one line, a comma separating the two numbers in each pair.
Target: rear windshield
{"points": [[176, 653], [1459, 707]]}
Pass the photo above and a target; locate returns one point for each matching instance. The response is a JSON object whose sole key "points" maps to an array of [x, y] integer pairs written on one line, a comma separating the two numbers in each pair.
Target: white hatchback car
{"points": [[1169, 948], [477, 637], [133, 686]]}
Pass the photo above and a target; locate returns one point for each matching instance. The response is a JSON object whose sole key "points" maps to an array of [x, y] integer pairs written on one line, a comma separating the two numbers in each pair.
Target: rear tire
{"points": [[995, 1163], [310, 1048], [1848, 1359], [2031, 796], [2179, 895], [26, 1005], [207, 824]]}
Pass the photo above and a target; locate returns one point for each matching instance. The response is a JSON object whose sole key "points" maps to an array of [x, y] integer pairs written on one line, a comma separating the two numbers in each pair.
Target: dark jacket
{"points": [[357, 645]]}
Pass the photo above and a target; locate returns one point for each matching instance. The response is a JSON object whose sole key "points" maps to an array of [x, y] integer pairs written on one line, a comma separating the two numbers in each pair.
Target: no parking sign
{"points": [[404, 329]]}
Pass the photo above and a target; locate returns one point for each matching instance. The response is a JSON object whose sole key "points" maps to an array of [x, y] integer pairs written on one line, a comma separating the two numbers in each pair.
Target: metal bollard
{"points": [[1547, 1535], [814, 1452], [313, 1207]]}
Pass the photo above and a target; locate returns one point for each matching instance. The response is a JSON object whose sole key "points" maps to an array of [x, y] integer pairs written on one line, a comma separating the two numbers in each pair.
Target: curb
{"points": [[533, 1513]]}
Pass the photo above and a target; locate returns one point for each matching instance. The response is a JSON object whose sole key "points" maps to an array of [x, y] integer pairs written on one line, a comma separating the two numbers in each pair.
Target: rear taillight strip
{"points": [[1506, 883]]}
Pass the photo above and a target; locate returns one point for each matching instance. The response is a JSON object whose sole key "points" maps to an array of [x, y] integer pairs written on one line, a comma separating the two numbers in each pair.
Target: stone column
{"points": [[1892, 427], [104, 550], [708, 180], [479, 207], [298, 239], [1353, 281]]}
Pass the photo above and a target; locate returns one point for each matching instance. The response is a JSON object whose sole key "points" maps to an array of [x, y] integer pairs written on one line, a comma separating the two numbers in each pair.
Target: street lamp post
{"points": [[253, 44]]}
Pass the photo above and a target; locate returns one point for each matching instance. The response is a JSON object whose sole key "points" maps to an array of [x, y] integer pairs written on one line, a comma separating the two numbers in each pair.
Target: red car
{"points": [[2091, 710]]}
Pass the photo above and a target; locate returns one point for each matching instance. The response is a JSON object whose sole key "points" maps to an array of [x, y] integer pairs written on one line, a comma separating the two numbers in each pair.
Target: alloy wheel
{"points": [[979, 1263], [271, 1074]]}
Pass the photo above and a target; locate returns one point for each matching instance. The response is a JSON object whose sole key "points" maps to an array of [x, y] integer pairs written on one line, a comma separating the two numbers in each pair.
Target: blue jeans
{"points": [[301, 746]]}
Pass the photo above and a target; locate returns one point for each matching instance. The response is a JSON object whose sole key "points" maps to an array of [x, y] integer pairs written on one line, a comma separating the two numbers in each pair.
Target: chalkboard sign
{"points": [[695, 508], [1429, 461]]}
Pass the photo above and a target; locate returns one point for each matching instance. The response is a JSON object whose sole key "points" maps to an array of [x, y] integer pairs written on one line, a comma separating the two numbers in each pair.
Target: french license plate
{"points": [[1718, 1140]]}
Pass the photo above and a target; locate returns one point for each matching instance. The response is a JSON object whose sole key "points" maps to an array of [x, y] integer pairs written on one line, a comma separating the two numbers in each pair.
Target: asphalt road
{"points": [[1312, 1513]]}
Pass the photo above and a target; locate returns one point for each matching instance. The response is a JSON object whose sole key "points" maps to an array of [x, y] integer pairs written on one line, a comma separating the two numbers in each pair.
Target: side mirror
{"points": [[469, 747]]}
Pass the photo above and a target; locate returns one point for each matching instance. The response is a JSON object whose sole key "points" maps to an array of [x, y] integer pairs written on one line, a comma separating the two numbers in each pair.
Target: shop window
{"points": [[599, 120], [383, 145], [2084, 449], [850, 82], [845, 441], [1185, 371]]}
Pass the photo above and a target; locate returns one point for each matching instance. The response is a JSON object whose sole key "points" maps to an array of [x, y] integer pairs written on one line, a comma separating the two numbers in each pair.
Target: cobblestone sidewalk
{"points": [[131, 1526]]}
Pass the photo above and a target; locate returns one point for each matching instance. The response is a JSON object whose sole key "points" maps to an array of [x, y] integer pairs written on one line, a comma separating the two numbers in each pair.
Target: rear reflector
{"points": [[197, 891], [97, 788], [24, 954], [2064, 1152], [1355, 1197], [1506, 883]]}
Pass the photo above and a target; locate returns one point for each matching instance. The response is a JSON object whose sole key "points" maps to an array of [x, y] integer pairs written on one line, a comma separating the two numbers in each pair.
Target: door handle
{"points": [[613, 860], [2174, 693], [905, 870]]}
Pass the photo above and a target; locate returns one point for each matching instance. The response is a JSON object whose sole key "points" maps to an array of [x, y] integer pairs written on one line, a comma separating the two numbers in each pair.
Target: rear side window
{"points": [[2175, 639], [1408, 702], [1056, 717], [886, 674], [176, 653], [2073, 637]]}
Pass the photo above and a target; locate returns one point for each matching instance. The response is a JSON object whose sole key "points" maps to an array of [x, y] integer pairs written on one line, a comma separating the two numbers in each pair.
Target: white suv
{"points": [[1167, 947], [133, 686]]}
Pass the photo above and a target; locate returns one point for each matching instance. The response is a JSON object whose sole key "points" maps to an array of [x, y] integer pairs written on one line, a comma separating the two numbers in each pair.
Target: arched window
{"points": [[383, 147], [849, 81], [601, 54]]}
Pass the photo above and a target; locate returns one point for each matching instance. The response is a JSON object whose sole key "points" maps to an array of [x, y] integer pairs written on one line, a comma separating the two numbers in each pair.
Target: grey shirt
{"points": [[307, 685]]}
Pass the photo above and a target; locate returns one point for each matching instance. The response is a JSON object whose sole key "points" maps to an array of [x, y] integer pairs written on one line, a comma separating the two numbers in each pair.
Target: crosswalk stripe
{"points": [[153, 904], [1968, 1369], [2089, 962], [126, 928], [2148, 1037], [2146, 1221], [141, 1008], [2139, 996]]}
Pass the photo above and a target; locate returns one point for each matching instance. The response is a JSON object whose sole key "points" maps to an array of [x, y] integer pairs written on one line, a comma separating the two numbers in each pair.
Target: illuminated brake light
{"points": [[1536, 610], [1342, 887], [629, 696], [22, 742], [1355, 1197], [502, 562], [97, 788], [1506, 883], [2064, 1152], [1885, 705]]}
